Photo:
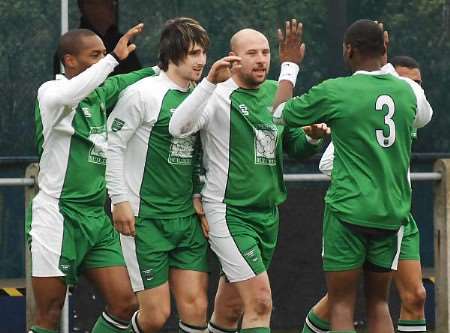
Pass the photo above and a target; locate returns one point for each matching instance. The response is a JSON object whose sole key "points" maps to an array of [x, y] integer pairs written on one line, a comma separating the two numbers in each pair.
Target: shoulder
{"points": [[48, 87]]}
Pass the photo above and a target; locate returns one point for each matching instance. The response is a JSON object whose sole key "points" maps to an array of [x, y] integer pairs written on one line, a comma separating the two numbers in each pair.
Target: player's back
{"points": [[371, 130]]}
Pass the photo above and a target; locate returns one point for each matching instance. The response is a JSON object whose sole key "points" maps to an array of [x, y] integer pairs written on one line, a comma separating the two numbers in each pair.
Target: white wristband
{"points": [[289, 72]]}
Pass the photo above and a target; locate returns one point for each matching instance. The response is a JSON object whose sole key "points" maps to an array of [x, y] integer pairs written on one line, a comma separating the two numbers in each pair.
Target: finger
{"points": [[280, 36], [288, 28], [294, 27], [300, 30], [125, 229], [132, 228], [134, 31]]}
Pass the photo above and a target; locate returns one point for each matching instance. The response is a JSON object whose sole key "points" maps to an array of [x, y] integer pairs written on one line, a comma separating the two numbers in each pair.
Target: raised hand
{"points": [[317, 131], [123, 48], [291, 46], [221, 70], [123, 219]]}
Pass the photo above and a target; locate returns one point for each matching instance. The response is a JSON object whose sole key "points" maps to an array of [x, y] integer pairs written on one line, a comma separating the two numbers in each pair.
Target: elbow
{"points": [[324, 167], [179, 132]]}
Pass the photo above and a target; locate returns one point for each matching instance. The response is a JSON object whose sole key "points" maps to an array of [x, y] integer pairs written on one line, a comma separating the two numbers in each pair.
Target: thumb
{"points": [[131, 47]]}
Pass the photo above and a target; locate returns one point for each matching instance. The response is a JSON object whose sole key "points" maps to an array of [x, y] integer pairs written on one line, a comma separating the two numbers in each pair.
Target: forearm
{"points": [[71, 92], [188, 116], [115, 182], [326, 162]]}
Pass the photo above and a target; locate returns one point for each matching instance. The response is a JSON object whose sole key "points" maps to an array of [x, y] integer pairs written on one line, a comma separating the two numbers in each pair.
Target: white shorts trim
{"points": [[400, 233], [233, 264], [129, 253], [47, 230]]}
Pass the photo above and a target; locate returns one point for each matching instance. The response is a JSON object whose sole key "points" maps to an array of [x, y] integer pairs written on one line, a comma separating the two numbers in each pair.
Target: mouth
{"points": [[260, 71]]}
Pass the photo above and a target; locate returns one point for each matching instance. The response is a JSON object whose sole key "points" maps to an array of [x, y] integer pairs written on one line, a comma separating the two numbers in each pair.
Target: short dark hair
{"points": [[367, 37], [71, 42], [404, 61], [177, 36]]}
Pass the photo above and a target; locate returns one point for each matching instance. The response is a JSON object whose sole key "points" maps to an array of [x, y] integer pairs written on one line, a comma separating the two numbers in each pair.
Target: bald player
{"points": [[67, 228], [242, 155]]}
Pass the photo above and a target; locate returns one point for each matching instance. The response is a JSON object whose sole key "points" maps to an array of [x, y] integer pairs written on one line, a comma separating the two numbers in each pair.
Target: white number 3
{"points": [[386, 141]]}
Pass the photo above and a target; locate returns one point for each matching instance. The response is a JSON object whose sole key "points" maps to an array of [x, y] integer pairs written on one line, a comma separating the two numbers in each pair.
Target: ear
{"points": [[69, 61], [231, 53], [349, 50]]}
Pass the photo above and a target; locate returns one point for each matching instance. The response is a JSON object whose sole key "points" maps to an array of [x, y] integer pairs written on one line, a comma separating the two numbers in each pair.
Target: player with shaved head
{"points": [[67, 228], [243, 158]]}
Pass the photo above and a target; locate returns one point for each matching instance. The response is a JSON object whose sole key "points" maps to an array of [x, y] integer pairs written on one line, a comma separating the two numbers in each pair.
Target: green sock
{"points": [[412, 326], [36, 329], [255, 330], [313, 323], [108, 324]]}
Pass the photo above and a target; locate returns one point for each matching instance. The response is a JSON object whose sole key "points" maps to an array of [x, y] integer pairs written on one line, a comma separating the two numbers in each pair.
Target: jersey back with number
{"points": [[371, 122]]}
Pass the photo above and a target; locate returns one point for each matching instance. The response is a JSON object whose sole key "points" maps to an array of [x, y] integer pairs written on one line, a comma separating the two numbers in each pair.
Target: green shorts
{"points": [[410, 249], [243, 239], [344, 249], [64, 242], [161, 244]]}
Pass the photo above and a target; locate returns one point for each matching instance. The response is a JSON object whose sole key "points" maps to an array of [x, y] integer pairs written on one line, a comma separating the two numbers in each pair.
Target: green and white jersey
{"points": [[372, 115], [147, 166], [242, 147], [70, 118]]}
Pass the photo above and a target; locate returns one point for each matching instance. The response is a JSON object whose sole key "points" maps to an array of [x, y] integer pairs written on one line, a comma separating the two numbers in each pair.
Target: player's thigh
{"points": [[147, 255], [49, 294], [343, 249], [227, 294], [255, 290], [190, 291], [114, 285]]}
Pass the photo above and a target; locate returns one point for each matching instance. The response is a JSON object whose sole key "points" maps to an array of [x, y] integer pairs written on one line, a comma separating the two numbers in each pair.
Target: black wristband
{"points": [[115, 56]]}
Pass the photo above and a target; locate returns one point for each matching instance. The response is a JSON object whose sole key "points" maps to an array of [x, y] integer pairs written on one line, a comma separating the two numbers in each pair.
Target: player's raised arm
{"points": [[292, 52], [189, 117], [84, 76]]}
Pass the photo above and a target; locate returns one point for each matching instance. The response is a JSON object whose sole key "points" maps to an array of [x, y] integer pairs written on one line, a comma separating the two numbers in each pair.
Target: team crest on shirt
{"points": [[97, 153], [265, 144], [117, 124], [181, 150]]}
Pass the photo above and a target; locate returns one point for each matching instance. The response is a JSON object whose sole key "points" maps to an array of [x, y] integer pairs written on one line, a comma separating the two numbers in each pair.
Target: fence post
{"points": [[30, 191], [441, 245]]}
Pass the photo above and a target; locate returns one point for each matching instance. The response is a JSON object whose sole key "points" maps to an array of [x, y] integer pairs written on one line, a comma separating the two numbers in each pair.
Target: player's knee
{"points": [[154, 319], [51, 313], [261, 304], [195, 305], [414, 299], [124, 307]]}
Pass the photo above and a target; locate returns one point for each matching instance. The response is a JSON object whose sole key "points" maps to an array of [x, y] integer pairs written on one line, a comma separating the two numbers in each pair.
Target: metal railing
{"points": [[441, 176]]}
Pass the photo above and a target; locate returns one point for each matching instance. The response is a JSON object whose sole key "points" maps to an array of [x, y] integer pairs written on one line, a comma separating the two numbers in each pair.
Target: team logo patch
{"points": [[97, 153], [244, 109], [265, 144], [147, 274], [181, 150], [117, 125]]}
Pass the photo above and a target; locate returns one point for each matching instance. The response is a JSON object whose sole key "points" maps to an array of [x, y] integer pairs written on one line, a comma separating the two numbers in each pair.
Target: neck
{"points": [[243, 83], [176, 78], [368, 65]]}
